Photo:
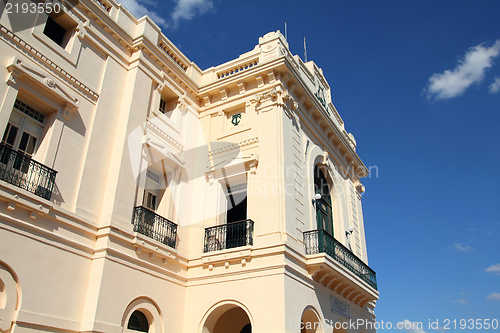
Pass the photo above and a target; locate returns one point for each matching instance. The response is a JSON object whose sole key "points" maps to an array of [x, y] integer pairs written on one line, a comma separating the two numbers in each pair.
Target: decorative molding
{"points": [[271, 76], [241, 87], [156, 129], [175, 58], [254, 162], [260, 81], [35, 76], [289, 103], [206, 100], [233, 146], [223, 93], [65, 76]]}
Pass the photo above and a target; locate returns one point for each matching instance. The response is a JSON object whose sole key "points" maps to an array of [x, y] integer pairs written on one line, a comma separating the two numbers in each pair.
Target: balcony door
{"points": [[22, 134], [236, 203], [324, 218]]}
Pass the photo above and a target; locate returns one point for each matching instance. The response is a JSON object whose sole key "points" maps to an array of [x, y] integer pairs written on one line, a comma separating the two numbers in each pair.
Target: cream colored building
{"points": [[141, 193]]}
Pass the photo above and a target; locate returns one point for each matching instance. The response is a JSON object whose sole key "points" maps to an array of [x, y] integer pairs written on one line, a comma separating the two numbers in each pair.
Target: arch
{"points": [[138, 322], [139, 310], [227, 316], [310, 322], [316, 157], [10, 296]]}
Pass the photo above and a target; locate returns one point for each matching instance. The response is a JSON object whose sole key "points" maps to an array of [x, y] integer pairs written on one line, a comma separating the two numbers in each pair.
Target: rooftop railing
{"points": [[22, 171], [320, 241], [154, 226], [230, 235]]}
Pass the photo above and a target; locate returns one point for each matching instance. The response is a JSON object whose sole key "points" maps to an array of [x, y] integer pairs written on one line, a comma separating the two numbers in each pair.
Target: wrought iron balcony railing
{"points": [[22, 171], [320, 241], [227, 236], [154, 226]]}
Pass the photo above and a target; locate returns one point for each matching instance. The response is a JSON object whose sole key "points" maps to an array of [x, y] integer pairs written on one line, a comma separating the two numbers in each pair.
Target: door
{"points": [[324, 218], [236, 200]]}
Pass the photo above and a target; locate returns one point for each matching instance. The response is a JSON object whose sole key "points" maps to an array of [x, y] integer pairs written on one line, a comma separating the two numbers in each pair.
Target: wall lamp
{"points": [[317, 197], [351, 229]]}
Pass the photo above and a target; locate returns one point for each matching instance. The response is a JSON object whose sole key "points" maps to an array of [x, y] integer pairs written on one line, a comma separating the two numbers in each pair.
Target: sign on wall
{"points": [[342, 308]]}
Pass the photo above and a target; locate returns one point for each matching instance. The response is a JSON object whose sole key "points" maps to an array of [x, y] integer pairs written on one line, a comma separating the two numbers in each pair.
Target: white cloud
{"points": [[460, 300], [469, 70], [495, 86], [187, 9], [494, 269], [410, 327], [460, 247], [494, 296], [138, 8]]}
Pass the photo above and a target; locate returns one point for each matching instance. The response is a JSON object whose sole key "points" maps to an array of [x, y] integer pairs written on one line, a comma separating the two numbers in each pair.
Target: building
{"points": [[141, 193]]}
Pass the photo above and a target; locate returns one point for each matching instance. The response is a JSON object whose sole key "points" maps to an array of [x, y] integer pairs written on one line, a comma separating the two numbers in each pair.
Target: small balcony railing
{"points": [[230, 235], [154, 226], [22, 171], [320, 241]]}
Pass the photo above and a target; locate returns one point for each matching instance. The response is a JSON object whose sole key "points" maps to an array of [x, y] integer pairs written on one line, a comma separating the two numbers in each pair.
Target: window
{"points": [[54, 31], [163, 105], [138, 322], [60, 29], [168, 101], [150, 200]]}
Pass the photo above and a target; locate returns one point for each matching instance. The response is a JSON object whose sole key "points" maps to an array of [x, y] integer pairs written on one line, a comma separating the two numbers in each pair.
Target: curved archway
{"points": [[310, 321], [10, 296], [227, 317], [142, 315], [138, 322]]}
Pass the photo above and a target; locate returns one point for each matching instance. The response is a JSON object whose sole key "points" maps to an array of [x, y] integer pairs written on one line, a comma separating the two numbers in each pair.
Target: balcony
{"points": [[22, 171], [227, 236], [154, 226], [320, 241]]}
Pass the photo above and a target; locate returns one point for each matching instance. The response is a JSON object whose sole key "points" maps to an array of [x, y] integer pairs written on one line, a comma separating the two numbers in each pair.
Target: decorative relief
{"points": [[278, 96], [359, 187], [49, 82], [269, 47]]}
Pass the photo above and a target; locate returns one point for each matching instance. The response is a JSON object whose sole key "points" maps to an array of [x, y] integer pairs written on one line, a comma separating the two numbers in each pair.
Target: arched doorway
{"points": [[310, 322], [324, 218], [228, 318]]}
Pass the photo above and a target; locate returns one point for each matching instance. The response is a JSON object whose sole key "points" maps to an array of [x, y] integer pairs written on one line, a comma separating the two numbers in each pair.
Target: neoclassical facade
{"points": [[141, 193]]}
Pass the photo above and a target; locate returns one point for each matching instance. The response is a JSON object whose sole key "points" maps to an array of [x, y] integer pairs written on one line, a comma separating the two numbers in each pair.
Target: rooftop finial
{"points": [[305, 50]]}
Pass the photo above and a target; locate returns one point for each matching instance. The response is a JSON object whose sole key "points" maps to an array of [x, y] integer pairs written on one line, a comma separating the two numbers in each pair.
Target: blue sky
{"points": [[417, 83]]}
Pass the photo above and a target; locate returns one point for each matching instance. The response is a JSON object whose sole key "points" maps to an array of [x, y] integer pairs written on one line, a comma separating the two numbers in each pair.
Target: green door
{"points": [[324, 217]]}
